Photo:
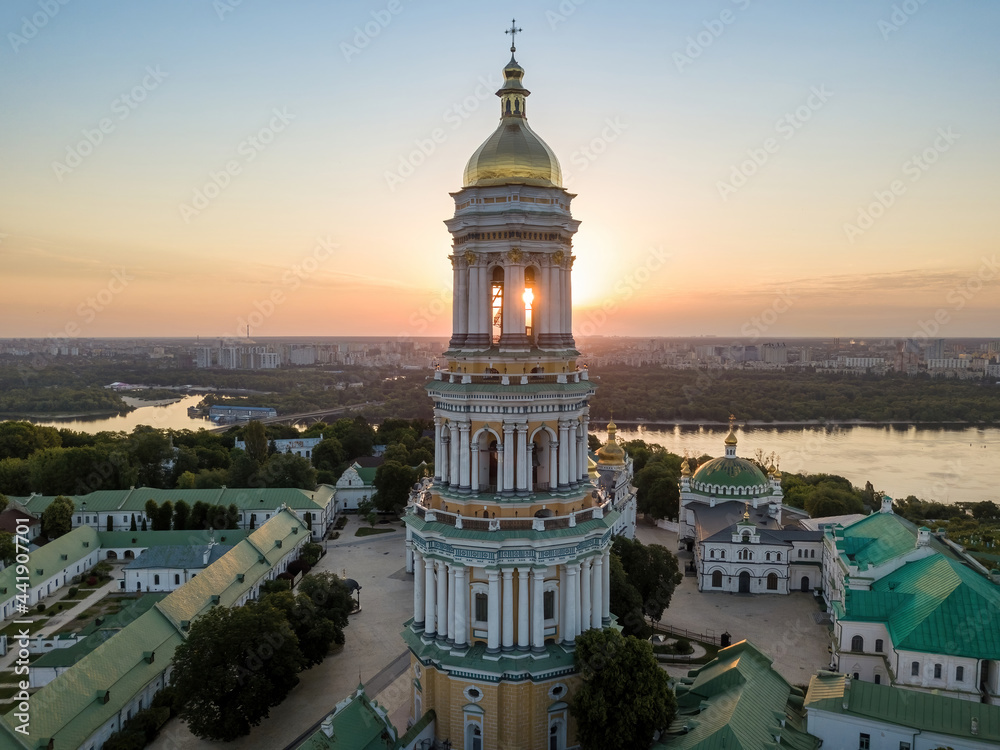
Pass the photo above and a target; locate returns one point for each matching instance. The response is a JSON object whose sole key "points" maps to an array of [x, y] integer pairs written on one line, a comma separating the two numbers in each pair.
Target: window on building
{"points": [[778, 557], [915, 669], [745, 554], [878, 645], [937, 671], [904, 746], [549, 605], [812, 553], [482, 607], [177, 578], [878, 679], [717, 579], [772, 581], [722, 554], [156, 580], [857, 643], [865, 742], [78, 519], [959, 674], [856, 676]]}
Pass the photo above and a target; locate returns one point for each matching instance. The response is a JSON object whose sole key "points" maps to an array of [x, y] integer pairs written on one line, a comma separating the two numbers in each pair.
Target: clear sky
{"points": [[779, 168]]}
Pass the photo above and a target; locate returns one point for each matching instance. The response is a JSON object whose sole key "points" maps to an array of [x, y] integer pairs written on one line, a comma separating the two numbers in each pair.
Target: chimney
{"points": [[886, 504], [923, 536]]}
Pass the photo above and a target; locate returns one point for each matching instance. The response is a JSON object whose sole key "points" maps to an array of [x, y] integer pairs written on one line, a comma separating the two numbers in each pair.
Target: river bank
{"points": [[959, 424]]}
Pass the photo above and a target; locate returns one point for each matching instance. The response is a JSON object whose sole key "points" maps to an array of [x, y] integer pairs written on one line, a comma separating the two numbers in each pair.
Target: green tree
{"points": [[329, 595], [132, 526], [164, 517], [625, 601], [328, 455], [3, 502], [256, 442], [625, 697], [234, 666], [355, 435], [182, 513], [8, 550], [287, 470], [315, 633], [393, 482], [652, 569], [366, 509], [57, 518]]}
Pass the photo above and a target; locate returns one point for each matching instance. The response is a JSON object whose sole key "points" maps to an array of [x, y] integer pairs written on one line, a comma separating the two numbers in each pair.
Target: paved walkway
{"points": [[373, 646], [59, 620], [783, 627]]}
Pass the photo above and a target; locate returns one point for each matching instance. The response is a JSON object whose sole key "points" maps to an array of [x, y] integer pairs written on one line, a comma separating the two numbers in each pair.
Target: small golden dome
{"points": [[611, 453], [685, 467], [731, 437], [771, 469]]}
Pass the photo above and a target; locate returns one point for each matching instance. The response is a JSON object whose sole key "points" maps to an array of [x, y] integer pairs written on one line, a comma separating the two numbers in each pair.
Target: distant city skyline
{"points": [[743, 169]]}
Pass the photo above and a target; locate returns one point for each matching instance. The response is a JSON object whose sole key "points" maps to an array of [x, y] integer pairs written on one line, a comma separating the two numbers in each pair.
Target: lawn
{"points": [[370, 531]]}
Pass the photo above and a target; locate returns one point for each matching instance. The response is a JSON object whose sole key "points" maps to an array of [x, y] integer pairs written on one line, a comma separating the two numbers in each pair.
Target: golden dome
{"points": [[731, 437], [611, 453], [685, 467], [514, 153]]}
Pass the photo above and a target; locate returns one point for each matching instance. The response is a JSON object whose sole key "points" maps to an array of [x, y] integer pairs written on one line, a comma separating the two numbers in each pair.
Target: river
{"points": [[944, 464], [933, 463]]}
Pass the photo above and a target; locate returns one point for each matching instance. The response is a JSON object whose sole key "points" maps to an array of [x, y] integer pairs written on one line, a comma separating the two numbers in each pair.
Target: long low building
{"points": [[116, 510], [91, 700]]}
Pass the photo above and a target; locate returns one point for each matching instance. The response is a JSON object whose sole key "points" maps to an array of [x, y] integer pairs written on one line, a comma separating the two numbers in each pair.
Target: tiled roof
{"points": [[736, 701], [179, 556], [934, 605], [134, 500], [119, 539], [913, 709], [52, 557], [880, 537], [355, 725]]}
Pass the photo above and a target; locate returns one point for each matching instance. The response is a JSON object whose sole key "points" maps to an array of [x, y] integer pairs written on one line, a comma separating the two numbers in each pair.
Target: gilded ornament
{"points": [[558, 256], [515, 255], [470, 257]]}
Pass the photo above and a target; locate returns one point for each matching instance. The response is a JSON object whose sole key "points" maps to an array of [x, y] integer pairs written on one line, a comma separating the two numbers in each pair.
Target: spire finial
{"points": [[513, 31], [732, 421]]}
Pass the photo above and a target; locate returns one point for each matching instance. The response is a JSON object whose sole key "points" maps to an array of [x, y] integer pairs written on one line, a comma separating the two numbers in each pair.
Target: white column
{"points": [[461, 605], [513, 291], [544, 301], [437, 448], [573, 451], [451, 603], [564, 446], [455, 306], [509, 461], [462, 300], [597, 600], [445, 471], [454, 464], [486, 308], [567, 321], [606, 589], [555, 294], [508, 609], [430, 608], [418, 590], [553, 464], [572, 604], [474, 319], [538, 611], [585, 590], [474, 465], [564, 629], [500, 467], [523, 585], [442, 600], [522, 459], [493, 624], [463, 456], [582, 463], [531, 467]]}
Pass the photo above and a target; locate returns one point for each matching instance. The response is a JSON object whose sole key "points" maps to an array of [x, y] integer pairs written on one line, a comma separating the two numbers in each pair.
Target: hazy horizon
{"points": [[789, 169]]}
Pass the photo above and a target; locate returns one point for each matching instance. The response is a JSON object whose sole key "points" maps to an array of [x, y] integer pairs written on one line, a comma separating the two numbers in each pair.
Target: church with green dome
{"points": [[743, 537]]}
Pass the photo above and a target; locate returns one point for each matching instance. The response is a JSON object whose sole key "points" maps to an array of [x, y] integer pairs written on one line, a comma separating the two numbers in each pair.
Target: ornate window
{"points": [[857, 643], [772, 581], [549, 605], [482, 612], [745, 554]]}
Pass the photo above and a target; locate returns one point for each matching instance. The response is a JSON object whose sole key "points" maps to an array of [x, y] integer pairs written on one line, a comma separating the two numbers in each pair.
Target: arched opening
{"points": [[473, 737], [493, 464], [805, 584], [772, 581], [857, 643], [717, 579], [129, 554], [744, 582], [112, 555], [496, 295]]}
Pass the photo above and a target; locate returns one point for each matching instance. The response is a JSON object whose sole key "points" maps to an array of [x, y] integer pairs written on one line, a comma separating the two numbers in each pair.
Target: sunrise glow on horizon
{"points": [[171, 168]]}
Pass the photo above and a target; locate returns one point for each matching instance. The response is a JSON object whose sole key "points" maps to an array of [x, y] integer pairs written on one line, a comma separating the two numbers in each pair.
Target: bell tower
{"points": [[509, 544]]}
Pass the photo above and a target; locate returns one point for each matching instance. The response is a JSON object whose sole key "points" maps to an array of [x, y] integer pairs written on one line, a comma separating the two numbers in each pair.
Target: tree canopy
{"points": [[57, 518], [625, 696], [393, 482], [652, 569]]}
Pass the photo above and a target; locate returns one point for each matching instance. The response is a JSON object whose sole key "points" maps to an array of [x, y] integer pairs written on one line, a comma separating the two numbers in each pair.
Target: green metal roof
{"points": [[933, 605], [913, 709], [119, 539], [737, 702], [356, 725], [880, 537], [51, 558], [730, 472], [367, 473], [556, 389]]}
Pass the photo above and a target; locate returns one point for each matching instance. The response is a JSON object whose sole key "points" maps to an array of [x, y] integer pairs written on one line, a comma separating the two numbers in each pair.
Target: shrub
{"points": [[91, 581], [74, 591], [41, 606], [683, 646]]}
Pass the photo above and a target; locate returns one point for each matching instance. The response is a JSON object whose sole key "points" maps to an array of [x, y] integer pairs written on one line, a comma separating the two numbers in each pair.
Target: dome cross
{"points": [[513, 31]]}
